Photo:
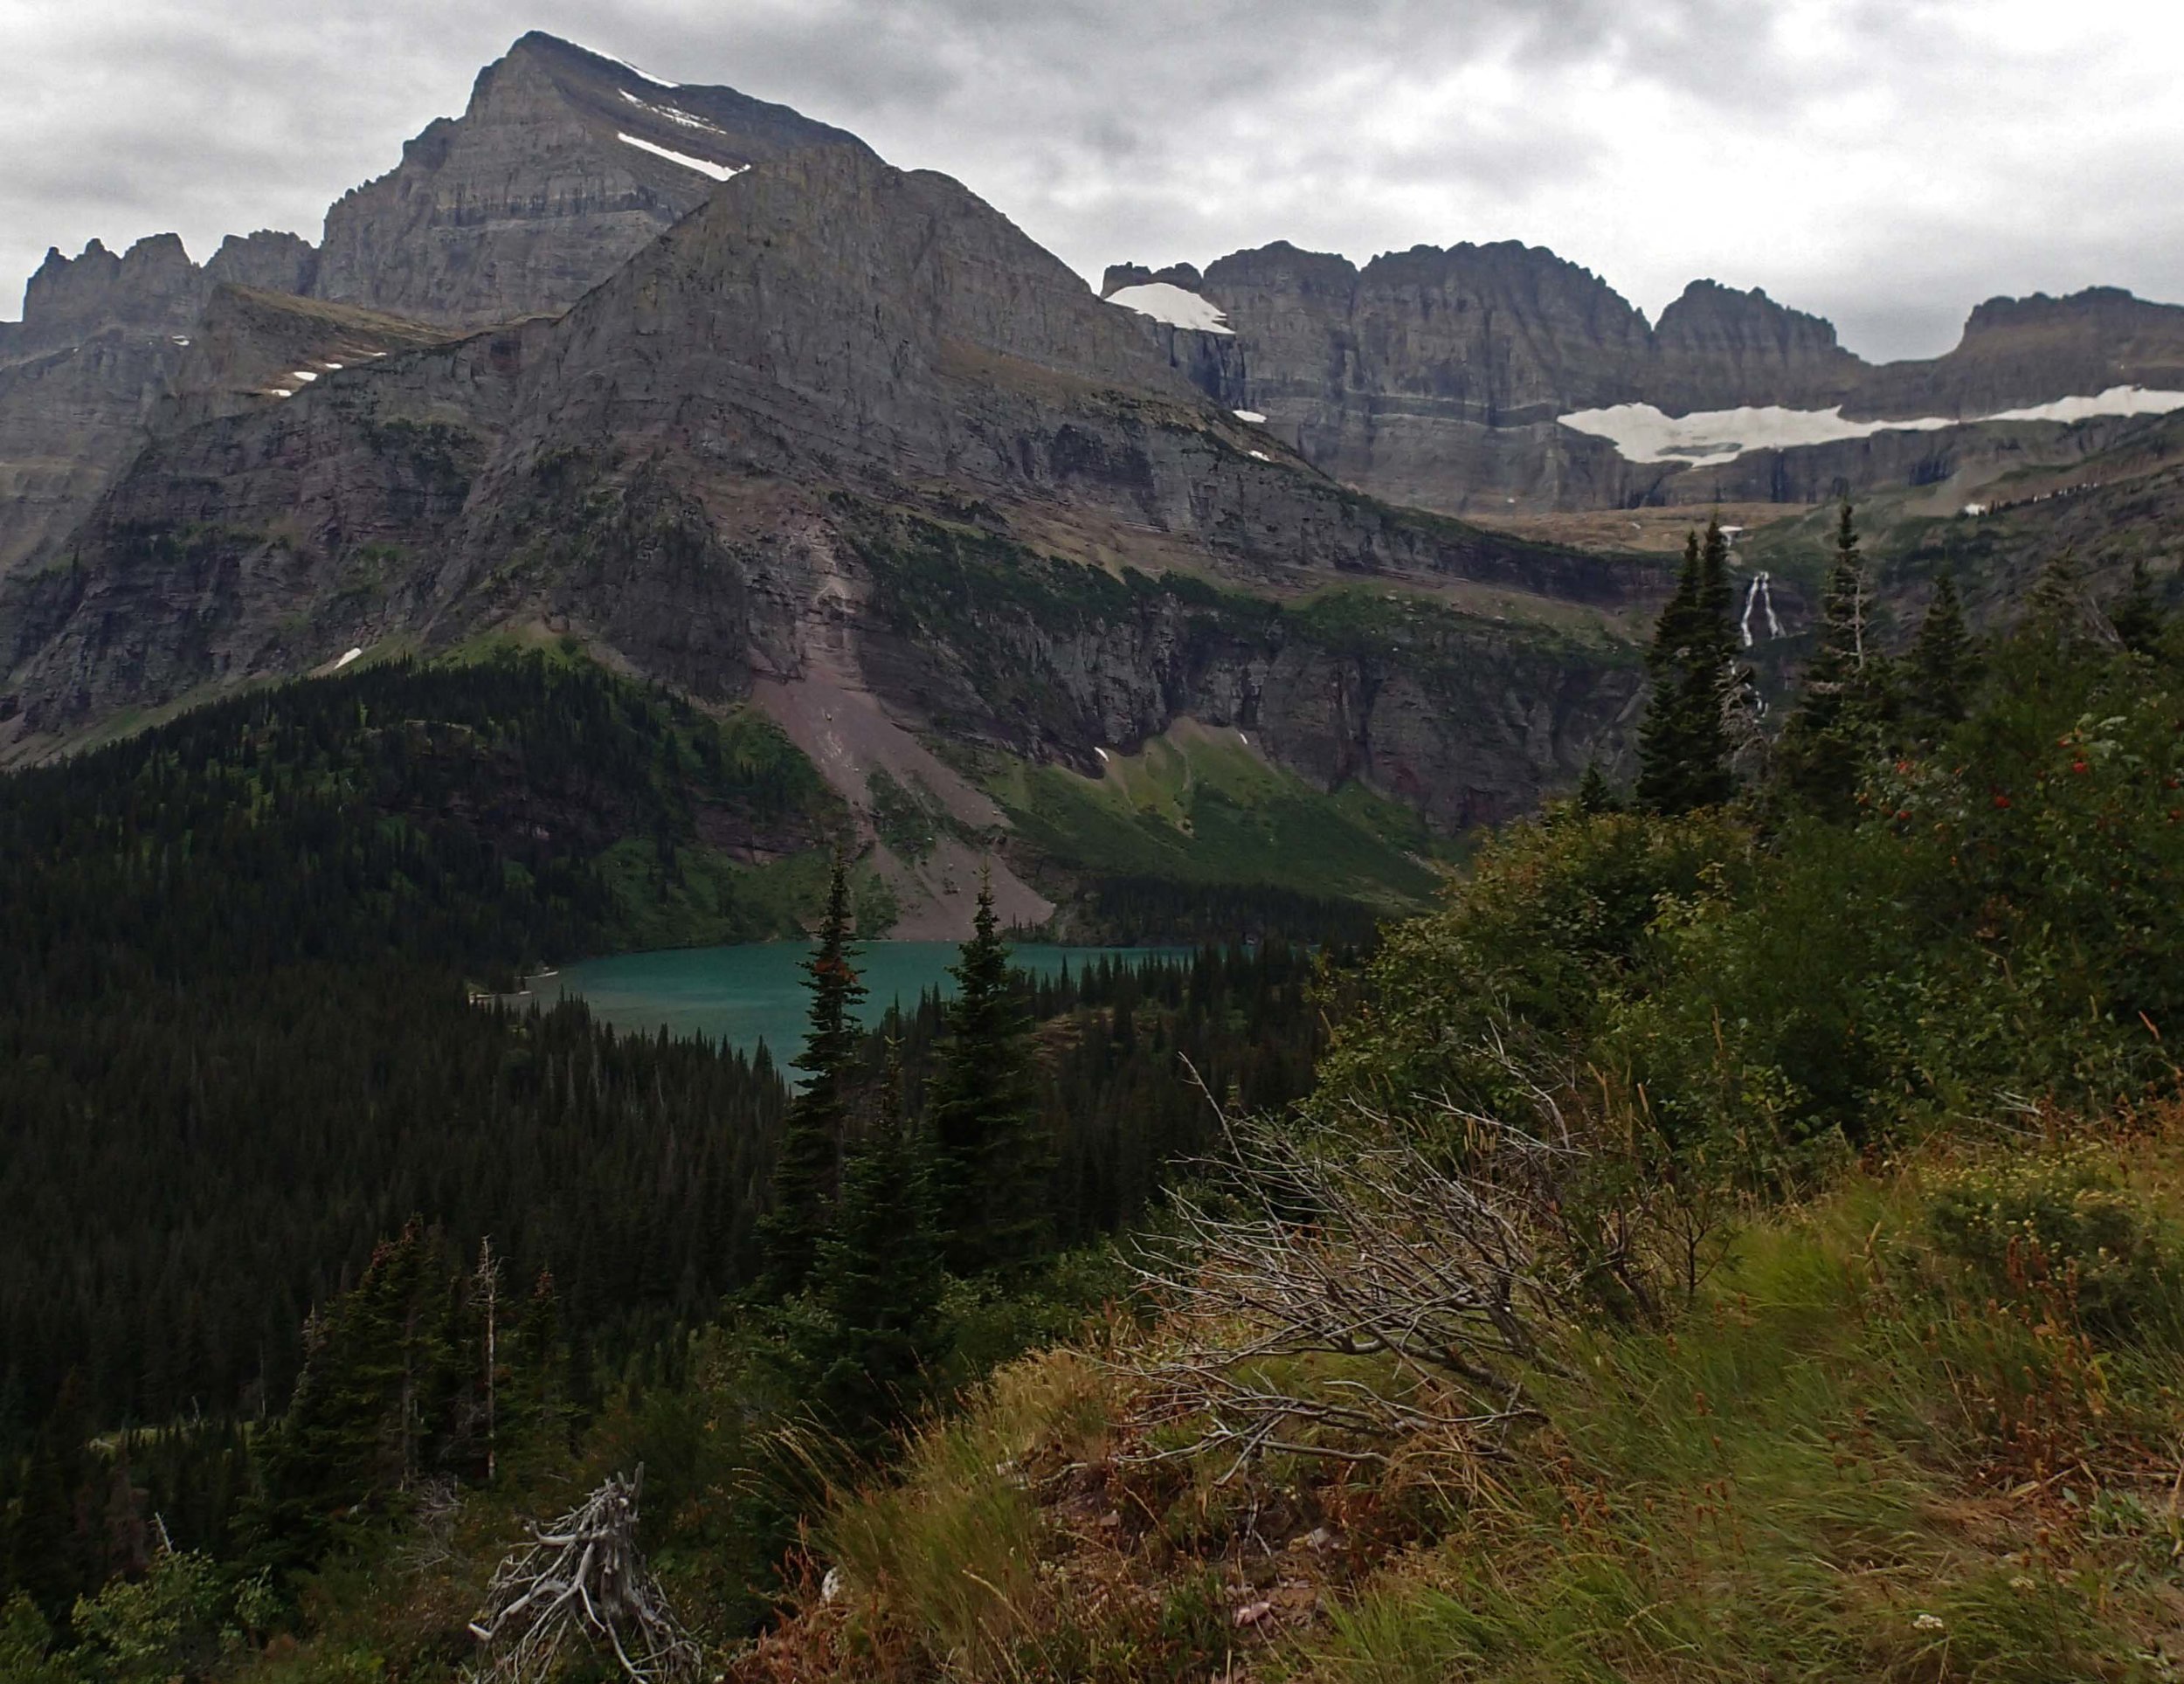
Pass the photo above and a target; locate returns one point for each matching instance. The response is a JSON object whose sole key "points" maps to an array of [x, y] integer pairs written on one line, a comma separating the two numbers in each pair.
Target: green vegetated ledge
{"points": [[1193, 810]]}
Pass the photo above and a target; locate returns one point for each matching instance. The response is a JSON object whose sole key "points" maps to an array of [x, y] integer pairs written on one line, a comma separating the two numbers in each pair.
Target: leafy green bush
{"points": [[2038, 1224]]}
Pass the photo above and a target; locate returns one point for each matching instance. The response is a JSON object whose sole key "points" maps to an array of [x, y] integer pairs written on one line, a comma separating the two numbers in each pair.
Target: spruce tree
{"points": [[874, 1332], [2137, 616], [1941, 661], [2059, 609], [1843, 701], [991, 1165], [1595, 795], [369, 1411], [1682, 746], [806, 1172]]}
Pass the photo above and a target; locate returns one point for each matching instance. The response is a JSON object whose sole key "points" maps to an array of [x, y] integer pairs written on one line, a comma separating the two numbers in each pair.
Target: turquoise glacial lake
{"points": [[750, 993]]}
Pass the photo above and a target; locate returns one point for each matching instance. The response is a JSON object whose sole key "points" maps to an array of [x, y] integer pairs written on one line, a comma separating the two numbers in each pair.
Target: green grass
{"points": [[1819, 1470], [707, 898], [1198, 806], [1790, 1484]]}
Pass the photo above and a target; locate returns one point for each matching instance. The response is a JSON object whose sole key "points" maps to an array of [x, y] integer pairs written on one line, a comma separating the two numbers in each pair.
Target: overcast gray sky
{"points": [[1886, 162]]}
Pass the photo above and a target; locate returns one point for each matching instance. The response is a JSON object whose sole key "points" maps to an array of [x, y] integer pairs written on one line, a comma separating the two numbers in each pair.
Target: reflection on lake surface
{"points": [[755, 992]]}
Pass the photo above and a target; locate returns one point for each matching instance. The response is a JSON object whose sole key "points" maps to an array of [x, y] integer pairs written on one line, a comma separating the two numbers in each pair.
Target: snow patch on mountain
{"points": [[2117, 400], [673, 115], [720, 172], [1164, 301], [657, 81], [1708, 437]]}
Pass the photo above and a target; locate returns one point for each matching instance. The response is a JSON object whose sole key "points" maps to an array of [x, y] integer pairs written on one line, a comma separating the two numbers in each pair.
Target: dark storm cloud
{"points": [[1887, 163]]}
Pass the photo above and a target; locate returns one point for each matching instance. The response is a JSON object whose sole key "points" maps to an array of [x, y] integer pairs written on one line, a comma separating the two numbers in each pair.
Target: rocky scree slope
{"points": [[737, 466]]}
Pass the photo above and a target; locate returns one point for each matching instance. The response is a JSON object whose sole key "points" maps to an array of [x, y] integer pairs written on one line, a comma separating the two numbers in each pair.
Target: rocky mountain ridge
{"points": [[565, 165], [1439, 376], [748, 463]]}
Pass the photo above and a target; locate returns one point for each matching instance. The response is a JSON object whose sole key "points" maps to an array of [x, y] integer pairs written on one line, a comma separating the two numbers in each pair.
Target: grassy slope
{"points": [[1854, 1457], [1198, 805]]}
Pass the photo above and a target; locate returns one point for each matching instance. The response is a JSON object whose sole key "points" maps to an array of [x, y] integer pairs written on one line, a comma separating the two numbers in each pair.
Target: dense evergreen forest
{"points": [[247, 1079], [1740, 1232]]}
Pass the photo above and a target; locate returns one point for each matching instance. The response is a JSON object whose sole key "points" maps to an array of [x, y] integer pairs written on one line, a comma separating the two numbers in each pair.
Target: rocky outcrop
{"points": [[252, 349], [265, 261], [152, 288], [2016, 353], [1435, 377], [79, 379], [1715, 348], [1120, 275], [564, 164]]}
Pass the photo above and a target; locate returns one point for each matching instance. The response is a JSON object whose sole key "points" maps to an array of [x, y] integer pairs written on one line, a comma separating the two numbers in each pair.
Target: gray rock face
{"points": [[1429, 377], [81, 377], [266, 261], [533, 196], [2019, 352], [152, 288], [1714, 348], [252, 350], [1435, 377], [725, 463]]}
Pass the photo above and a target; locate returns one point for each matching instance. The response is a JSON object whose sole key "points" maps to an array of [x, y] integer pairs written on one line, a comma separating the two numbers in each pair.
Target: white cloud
{"points": [[1886, 162]]}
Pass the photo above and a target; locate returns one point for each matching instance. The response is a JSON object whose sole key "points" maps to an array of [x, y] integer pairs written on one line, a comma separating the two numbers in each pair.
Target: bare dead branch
{"points": [[581, 1581], [1454, 1263]]}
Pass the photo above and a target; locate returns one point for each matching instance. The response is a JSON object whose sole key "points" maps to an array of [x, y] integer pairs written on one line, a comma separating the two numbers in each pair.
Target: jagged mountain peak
{"points": [[564, 164]]}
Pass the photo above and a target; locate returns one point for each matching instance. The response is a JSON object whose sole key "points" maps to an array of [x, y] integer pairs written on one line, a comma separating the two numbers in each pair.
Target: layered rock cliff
{"points": [[564, 164], [1436, 377], [1717, 349], [725, 465]]}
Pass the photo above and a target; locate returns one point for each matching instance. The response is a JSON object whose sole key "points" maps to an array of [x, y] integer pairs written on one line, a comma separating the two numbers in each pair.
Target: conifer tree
{"points": [[379, 1369], [2137, 616], [2059, 609], [1843, 701], [1594, 795], [875, 1326], [806, 1171], [991, 1165], [1683, 748], [1941, 661]]}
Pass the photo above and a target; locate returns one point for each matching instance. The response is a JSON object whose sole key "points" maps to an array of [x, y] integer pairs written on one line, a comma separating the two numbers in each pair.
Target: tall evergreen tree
{"points": [[1941, 659], [1844, 699], [2061, 609], [990, 1161], [2137, 616], [876, 1329], [1683, 745], [1595, 794], [809, 1165], [379, 1367]]}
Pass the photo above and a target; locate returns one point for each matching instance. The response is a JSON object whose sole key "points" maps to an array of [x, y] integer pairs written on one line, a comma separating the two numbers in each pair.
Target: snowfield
{"points": [[1164, 301], [1708, 437], [2117, 400], [1641, 433], [720, 172], [673, 115]]}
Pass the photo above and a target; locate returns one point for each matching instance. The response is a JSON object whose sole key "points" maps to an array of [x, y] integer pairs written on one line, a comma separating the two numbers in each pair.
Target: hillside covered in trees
{"points": [[1740, 1233]]}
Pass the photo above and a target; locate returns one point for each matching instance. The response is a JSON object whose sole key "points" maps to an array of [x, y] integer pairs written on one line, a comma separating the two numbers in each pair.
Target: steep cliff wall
{"points": [[715, 466], [563, 165]]}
